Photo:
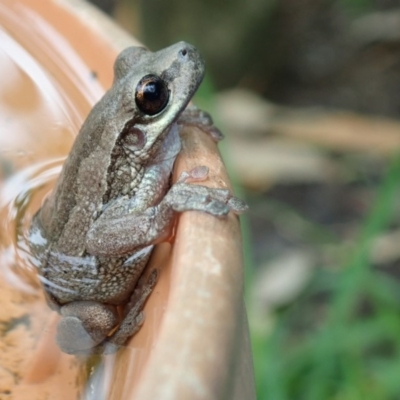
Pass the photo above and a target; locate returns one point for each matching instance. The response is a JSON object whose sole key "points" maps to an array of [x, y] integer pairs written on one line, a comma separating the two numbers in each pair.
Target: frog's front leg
{"points": [[127, 233]]}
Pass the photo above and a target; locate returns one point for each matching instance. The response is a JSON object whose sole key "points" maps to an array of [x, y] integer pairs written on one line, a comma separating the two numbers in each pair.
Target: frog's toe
{"points": [[217, 208], [196, 174], [73, 338], [237, 205], [84, 325]]}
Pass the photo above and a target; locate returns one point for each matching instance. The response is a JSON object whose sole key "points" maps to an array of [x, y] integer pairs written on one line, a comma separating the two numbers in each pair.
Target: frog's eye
{"points": [[151, 95]]}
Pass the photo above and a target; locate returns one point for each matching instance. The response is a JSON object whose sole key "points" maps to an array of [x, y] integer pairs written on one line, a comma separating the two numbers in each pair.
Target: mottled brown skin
{"points": [[93, 236]]}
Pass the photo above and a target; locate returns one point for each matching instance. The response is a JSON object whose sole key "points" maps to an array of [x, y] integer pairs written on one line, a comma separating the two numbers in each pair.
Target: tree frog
{"points": [[113, 200]]}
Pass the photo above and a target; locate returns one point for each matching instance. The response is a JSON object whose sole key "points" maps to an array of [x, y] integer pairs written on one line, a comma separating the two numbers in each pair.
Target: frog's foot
{"points": [[134, 316], [193, 116], [200, 173], [218, 202], [84, 325]]}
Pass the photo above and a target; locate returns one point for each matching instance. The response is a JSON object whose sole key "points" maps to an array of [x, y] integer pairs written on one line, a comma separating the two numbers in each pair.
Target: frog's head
{"points": [[155, 88]]}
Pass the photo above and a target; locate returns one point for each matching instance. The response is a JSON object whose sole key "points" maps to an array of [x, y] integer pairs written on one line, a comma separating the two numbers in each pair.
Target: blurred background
{"points": [[308, 95]]}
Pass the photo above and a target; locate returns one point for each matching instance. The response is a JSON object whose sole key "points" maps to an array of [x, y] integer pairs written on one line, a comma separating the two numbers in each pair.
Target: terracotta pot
{"points": [[56, 62]]}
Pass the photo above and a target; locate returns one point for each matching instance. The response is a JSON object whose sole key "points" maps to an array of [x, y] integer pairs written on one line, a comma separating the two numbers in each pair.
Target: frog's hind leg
{"points": [[134, 317]]}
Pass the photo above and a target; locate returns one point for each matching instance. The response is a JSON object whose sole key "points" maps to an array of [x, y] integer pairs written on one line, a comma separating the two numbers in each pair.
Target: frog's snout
{"points": [[187, 52], [190, 59]]}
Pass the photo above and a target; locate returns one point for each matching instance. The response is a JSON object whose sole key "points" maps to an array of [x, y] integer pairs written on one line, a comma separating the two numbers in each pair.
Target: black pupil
{"points": [[151, 94], [152, 91]]}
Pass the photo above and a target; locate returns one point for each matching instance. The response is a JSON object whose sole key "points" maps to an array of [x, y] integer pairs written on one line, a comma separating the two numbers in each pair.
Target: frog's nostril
{"points": [[183, 52]]}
